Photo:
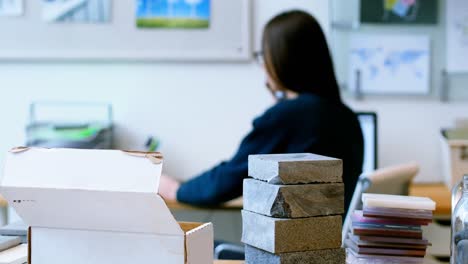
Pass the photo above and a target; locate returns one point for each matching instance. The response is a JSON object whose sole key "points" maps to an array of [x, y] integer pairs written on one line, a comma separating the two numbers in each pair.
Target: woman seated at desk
{"points": [[308, 114]]}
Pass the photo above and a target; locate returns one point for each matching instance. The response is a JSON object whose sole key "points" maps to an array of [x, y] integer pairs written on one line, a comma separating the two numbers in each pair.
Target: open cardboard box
{"points": [[99, 206]]}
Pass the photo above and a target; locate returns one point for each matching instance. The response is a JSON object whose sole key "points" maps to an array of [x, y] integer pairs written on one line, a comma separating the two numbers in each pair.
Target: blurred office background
{"points": [[188, 105]]}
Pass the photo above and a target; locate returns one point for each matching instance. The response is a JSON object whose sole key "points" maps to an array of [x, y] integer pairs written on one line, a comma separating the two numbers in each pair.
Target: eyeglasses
{"points": [[259, 57]]}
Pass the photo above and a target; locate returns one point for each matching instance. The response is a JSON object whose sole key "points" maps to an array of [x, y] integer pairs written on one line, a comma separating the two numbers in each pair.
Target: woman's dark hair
{"points": [[297, 55]]}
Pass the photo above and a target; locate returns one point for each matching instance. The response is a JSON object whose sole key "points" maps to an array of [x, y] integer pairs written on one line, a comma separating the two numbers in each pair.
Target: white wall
{"points": [[201, 111]]}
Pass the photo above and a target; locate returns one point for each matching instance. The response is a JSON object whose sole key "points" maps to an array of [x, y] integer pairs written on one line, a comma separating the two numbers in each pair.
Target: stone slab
{"points": [[293, 201], [295, 168], [281, 235], [330, 256]]}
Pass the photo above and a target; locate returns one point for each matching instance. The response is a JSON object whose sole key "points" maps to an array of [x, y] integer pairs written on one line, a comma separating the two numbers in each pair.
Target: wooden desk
{"points": [[437, 192], [235, 205], [226, 218], [427, 260], [3, 202]]}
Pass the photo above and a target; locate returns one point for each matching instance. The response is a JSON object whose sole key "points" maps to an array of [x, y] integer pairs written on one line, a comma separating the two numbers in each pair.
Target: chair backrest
{"points": [[229, 251], [462, 123], [392, 180]]}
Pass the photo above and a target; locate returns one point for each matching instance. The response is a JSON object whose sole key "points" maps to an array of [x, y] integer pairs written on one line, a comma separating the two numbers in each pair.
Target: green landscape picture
{"points": [[173, 14]]}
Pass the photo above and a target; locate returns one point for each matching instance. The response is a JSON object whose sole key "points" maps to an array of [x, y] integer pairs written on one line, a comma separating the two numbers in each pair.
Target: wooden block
{"points": [[295, 168], [330, 256], [280, 235], [293, 201]]}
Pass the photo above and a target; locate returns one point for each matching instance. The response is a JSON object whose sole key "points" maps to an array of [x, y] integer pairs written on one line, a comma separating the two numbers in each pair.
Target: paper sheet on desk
{"points": [[16, 255]]}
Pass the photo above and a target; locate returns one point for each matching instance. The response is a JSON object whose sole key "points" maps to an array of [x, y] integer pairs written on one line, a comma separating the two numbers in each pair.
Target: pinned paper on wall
{"points": [[76, 11], [185, 14], [11, 8], [389, 64], [399, 11], [457, 35]]}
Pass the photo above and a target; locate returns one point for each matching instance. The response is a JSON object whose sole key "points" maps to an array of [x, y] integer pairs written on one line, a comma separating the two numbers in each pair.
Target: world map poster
{"points": [[390, 64]]}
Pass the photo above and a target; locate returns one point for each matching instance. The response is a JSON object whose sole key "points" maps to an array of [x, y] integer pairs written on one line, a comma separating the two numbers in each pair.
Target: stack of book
{"points": [[389, 229]]}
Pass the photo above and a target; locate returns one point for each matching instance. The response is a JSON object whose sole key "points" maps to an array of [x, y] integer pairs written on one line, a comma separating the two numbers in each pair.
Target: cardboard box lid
{"points": [[108, 190], [98, 170]]}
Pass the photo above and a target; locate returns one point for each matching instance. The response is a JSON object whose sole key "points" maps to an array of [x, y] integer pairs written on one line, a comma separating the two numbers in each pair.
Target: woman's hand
{"points": [[168, 187]]}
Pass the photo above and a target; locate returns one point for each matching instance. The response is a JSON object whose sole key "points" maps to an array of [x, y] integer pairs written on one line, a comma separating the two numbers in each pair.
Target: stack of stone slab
{"points": [[292, 209]]}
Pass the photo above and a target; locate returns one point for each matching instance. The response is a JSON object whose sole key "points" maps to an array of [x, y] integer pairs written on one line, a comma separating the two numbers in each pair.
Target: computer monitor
{"points": [[368, 123]]}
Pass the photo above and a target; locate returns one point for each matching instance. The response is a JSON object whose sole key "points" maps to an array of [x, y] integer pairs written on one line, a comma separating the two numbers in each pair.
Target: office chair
{"points": [[392, 180], [230, 251]]}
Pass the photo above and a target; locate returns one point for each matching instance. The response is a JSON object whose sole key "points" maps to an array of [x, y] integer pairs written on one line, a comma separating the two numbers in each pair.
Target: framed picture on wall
{"points": [[72, 11], [11, 8], [173, 14], [399, 11], [457, 36], [133, 30]]}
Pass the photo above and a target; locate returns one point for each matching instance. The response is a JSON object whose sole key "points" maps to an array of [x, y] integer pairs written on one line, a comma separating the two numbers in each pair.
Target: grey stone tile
{"points": [[295, 168]]}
